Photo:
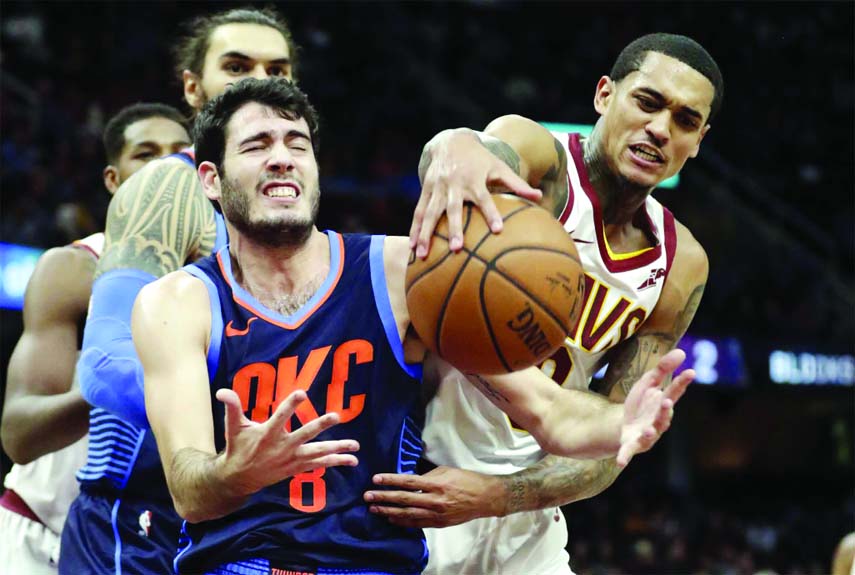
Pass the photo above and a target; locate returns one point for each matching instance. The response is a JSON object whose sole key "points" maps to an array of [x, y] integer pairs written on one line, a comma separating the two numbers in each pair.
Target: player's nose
{"points": [[659, 127]]}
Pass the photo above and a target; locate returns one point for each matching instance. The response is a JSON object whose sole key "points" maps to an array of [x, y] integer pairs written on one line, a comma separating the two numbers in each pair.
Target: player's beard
{"points": [[284, 231]]}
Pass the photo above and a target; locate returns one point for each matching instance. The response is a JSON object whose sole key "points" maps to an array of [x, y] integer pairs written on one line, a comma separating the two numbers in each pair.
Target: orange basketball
{"points": [[505, 301]]}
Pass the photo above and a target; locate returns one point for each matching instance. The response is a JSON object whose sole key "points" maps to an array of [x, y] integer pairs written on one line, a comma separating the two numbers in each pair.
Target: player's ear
{"points": [[193, 92], [603, 93], [210, 179], [697, 148], [111, 179]]}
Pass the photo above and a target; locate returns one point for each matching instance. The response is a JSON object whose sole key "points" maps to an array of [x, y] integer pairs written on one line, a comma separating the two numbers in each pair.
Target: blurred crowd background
{"points": [[754, 478]]}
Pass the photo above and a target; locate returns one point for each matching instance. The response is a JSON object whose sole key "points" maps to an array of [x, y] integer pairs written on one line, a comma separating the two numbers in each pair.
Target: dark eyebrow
{"points": [[297, 134], [233, 55], [264, 135], [267, 135], [661, 99]]}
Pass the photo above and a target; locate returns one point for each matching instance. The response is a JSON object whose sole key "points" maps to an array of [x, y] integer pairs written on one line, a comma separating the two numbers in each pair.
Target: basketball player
{"points": [[645, 277], [123, 520], [292, 325], [44, 417]]}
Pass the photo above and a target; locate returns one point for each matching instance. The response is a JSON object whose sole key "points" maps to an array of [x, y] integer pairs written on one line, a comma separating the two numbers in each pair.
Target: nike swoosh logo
{"points": [[582, 241], [232, 332]]}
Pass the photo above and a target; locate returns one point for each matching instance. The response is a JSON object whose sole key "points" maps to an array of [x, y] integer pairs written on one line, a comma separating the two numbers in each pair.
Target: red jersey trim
{"points": [[267, 315], [670, 240], [614, 266]]}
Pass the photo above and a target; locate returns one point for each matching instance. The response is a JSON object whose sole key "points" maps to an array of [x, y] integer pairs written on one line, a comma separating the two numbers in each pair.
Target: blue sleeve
{"points": [[108, 370]]}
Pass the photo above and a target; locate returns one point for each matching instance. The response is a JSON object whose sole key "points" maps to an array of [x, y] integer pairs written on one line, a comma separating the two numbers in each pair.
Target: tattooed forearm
{"points": [[488, 389], [157, 221], [635, 356], [684, 318], [558, 481]]}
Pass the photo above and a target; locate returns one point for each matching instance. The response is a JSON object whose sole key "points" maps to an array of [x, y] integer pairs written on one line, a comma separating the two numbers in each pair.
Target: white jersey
{"points": [[47, 485], [464, 429]]}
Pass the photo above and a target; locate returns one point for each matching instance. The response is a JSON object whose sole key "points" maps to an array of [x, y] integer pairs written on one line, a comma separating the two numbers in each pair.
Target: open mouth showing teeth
{"points": [[646, 154], [281, 192]]}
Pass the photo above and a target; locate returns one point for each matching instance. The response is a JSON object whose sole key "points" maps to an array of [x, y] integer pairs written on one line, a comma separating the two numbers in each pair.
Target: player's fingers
{"points": [[403, 481], [504, 176], [315, 427], [318, 449], [433, 212], [679, 385], [404, 499], [667, 364], [286, 409], [234, 411], [487, 205], [408, 517], [454, 212], [334, 460], [419, 214]]}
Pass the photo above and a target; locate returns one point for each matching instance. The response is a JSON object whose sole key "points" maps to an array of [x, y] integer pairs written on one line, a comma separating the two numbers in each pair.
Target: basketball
{"points": [[505, 301]]}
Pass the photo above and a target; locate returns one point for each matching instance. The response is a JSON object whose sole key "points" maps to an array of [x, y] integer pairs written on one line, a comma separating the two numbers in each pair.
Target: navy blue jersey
{"points": [[343, 348]]}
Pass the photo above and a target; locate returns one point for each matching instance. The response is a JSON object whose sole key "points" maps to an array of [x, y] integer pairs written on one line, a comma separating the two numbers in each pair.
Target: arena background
{"points": [[757, 471]]}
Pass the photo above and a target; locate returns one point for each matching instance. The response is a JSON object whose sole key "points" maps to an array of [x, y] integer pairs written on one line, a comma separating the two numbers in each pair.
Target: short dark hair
{"points": [[114, 132], [190, 50], [682, 48], [209, 129]]}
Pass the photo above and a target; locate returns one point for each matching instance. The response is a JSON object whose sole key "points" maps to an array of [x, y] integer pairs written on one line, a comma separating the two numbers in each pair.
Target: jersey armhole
{"points": [[213, 356], [384, 306]]}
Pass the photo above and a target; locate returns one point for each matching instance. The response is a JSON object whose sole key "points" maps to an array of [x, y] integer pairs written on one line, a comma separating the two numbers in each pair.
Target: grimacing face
{"points": [[653, 119], [237, 51], [145, 140], [269, 189]]}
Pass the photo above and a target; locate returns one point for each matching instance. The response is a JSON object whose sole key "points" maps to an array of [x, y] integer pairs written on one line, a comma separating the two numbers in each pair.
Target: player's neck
{"points": [[620, 200], [277, 275]]}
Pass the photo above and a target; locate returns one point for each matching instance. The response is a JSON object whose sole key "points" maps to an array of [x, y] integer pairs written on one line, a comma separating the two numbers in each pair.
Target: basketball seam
{"points": [[473, 253], [441, 260], [491, 266]]}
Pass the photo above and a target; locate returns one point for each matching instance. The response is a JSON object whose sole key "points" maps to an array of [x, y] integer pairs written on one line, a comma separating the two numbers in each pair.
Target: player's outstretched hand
{"points": [[648, 408], [461, 170], [443, 497], [261, 454]]}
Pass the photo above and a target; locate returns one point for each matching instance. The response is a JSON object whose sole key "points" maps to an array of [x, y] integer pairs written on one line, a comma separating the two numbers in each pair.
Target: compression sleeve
{"points": [[109, 371]]}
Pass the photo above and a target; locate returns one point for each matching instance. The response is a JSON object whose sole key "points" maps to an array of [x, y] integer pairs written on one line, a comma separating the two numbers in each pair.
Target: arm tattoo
{"points": [[635, 357], [158, 220], [558, 481], [554, 182], [502, 151], [684, 318], [640, 352]]}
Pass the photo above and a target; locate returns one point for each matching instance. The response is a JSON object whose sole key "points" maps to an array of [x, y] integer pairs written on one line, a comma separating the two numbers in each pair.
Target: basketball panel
{"points": [[553, 279], [524, 332]]}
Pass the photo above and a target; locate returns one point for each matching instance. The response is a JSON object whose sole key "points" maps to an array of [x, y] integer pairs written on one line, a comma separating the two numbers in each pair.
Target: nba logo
{"points": [[145, 523]]}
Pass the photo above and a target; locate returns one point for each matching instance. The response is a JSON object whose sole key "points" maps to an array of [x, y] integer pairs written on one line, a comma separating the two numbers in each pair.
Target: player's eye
{"points": [[687, 122], [144, 156], [235, 68], [646, 104], [276, 71]]}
